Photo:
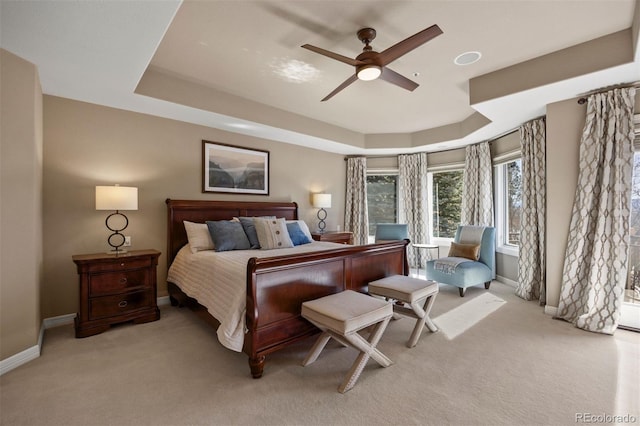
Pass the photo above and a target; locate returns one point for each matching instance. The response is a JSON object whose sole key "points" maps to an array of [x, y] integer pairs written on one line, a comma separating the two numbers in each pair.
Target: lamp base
{"points": [[117, 240], [117, 252], [322, 215]]}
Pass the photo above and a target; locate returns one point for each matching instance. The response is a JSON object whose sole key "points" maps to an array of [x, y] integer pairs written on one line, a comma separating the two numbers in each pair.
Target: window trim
{"points": [[500, 203]]}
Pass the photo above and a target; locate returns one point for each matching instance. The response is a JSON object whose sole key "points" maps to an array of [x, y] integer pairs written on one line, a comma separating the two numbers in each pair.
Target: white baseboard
{"points": [[19, 359], [550, 310], [33, 352], [57, 321], [507, 281]]}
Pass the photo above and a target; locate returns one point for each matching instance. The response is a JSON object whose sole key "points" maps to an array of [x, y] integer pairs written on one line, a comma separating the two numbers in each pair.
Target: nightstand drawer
{"points": [[109, 306], [119, 264], [117, 282]]}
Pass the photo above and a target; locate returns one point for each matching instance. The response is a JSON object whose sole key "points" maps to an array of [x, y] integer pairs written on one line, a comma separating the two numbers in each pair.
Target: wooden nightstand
{"points": [[334, 237], [116, 289]]}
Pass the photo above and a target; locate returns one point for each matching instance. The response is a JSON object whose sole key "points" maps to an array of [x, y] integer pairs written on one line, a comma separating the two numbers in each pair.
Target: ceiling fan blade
{"points": [[336, 56], [397, 79], [342, 86], [408, 44]]}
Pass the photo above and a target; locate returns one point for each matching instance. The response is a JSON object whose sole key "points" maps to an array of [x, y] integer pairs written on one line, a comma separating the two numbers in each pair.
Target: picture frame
{"points": [[233, 169]]}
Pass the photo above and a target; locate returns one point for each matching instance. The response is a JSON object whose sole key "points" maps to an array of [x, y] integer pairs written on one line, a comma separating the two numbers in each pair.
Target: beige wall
{"points": [[88, 145], [565, 121], [21, 205]]}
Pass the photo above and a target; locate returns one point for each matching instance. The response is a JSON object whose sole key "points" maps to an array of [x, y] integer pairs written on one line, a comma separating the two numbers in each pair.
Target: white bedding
{"points": [[218, 281]]}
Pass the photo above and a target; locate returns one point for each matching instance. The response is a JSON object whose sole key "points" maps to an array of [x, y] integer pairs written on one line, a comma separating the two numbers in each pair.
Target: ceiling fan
{"points": [[371, 64]]}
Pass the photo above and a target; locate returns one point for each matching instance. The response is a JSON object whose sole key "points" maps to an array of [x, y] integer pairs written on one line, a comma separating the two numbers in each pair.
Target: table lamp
{"points": [[321, 201], [116, 198]]}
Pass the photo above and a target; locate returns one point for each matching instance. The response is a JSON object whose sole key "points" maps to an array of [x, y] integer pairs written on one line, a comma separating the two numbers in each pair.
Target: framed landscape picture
{"points": [[232, 169]]}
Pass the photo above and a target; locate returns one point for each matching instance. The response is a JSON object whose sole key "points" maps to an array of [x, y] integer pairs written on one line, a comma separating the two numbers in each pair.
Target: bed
{"points": [[276, 284]]}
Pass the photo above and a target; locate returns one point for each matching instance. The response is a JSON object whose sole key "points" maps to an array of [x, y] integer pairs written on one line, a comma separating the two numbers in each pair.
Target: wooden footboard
{"points": [[277, 286]]}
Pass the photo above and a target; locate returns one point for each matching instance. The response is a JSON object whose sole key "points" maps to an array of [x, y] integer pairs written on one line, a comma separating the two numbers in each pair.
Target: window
{"points": [[382, 198], [632, 287], [446, 206], [508, 202], [514, 201]]}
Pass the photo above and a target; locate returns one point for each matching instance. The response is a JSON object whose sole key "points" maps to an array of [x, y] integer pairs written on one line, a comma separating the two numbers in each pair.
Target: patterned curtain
{"points": [[356, 217], [595, 265], [412, 177], [477, 190], [531, 260]]}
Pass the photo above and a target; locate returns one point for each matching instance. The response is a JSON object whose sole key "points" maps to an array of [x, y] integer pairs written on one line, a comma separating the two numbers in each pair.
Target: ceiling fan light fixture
{"points": [[369, 72]]}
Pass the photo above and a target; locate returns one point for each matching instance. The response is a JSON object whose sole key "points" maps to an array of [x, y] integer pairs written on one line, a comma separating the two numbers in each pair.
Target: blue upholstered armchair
{"points": [[459, 269], [391, 231]]}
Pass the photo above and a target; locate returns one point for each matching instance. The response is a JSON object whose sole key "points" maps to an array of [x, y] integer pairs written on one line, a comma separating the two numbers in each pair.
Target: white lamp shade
{"points": [[321, 200], [116, 198]]}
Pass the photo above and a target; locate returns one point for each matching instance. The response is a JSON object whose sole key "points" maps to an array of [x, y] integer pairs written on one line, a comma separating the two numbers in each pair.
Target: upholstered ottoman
{"points": [[418, 294], [342, 316]]}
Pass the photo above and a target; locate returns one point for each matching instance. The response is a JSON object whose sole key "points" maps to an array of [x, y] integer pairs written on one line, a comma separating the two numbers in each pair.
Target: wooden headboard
{"points": [[202, 210]]}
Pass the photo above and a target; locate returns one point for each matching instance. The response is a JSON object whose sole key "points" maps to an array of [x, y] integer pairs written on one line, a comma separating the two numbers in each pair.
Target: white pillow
{"points": [[198, 236], [303, 227], [272, 233]]}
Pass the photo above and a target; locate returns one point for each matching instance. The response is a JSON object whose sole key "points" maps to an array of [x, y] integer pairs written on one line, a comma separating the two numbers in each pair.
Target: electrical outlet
{"points": [[127, 241]]}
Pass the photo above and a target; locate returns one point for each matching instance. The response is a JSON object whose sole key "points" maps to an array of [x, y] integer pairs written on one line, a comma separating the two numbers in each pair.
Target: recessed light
{"points": [[467, 58]]}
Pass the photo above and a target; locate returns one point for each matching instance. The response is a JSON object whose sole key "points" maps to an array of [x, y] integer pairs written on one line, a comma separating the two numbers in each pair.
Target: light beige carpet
{"points": [[516, 366]]}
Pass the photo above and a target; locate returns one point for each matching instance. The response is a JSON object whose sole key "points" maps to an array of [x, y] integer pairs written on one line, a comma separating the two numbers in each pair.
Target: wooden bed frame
{"points": [[277, 286]]}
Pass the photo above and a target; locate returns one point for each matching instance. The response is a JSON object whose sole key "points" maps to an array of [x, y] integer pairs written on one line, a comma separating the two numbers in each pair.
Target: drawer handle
{"points": [[122, 304], [123, 280], [122, 264]]}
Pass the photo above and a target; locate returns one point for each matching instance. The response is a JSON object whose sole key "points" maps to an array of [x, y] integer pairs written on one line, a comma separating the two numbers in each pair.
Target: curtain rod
{"points": [[583, 99]]}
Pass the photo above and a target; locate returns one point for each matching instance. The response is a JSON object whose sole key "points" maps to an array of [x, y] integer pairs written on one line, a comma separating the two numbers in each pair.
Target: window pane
{"points": [[632, 288], [382, 200], [447, 203], [514, 201]]}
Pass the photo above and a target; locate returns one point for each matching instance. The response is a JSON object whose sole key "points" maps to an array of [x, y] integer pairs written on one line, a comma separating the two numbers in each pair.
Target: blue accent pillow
{"points": [[228, 235], [250, 230], [298, 237]]}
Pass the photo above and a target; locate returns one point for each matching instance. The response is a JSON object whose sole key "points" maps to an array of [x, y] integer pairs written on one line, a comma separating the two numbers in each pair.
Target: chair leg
{"points": [[487, 284], [461, 291]]}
